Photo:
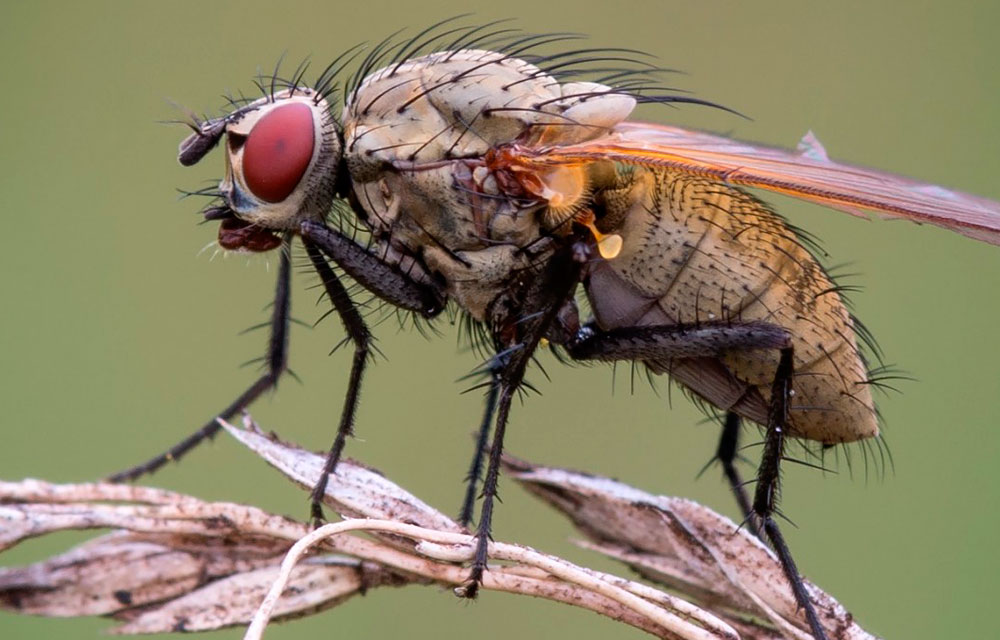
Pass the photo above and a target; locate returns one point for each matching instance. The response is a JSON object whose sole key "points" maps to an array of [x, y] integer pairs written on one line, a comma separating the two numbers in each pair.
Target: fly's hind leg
{"points": [[727, 453], [712, 340], [276, 360], [769, 485]]}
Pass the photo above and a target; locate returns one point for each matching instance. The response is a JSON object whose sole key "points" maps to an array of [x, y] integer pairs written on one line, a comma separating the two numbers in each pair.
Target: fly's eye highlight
{"points": [[278, 151]]}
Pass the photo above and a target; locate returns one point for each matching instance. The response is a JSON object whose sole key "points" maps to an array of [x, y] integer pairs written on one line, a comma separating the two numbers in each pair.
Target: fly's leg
{"points": [[476, 467], [663, 342], [711, 340], [385, 280], [360, 335], [510, 379], [509, 366], [382, 279], [276, 359], [769, 485], [565, 325], [726, 454], [687, 341], [518, 320]]}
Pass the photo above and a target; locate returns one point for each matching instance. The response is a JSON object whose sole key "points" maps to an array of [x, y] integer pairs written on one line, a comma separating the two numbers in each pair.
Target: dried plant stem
{"points": [[176, 563], [613, 588], [33, 508]]}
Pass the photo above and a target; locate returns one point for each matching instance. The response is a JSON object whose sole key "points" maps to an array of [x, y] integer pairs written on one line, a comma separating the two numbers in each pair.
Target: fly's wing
{"points": [[807, 174]]}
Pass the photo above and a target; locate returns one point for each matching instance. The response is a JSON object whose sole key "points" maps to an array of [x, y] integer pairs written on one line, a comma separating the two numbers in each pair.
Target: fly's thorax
{"points": [[416, 138], [475, 279], [469, 239], [447, 206], [461, 104], [282, 157]]}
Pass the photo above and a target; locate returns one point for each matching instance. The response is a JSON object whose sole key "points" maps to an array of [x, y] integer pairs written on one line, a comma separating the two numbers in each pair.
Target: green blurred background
{"points": [[118, 337]]}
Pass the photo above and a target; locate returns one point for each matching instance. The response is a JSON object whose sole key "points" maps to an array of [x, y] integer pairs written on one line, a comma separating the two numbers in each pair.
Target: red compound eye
{"points": [[278, 151]]}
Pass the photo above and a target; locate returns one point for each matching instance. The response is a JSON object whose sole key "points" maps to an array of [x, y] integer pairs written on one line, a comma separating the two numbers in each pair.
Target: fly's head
{"points": [[282, 157]]}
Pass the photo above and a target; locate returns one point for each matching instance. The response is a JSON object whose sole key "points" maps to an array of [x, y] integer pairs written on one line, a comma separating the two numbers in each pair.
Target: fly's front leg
{"points": [[712, 340], [361, 336], [385, 281], [276, 360]]}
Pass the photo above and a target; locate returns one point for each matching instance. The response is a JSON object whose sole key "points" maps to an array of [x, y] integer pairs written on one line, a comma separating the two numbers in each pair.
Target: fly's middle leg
{"points": [[276, 360], [493, 368], [518, 319], [711, 340], [565, 324], [510, 380], [507, 370]]}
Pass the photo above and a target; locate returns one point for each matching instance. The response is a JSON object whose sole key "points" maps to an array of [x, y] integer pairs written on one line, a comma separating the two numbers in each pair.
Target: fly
{"points": [[501, 183]]}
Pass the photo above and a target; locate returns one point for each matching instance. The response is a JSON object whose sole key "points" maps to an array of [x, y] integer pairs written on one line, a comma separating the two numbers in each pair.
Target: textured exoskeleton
{"points": [[693, 249]]}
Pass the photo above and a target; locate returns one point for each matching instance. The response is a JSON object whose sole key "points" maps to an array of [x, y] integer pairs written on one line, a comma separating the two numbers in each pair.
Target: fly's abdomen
{"points": [[697, 251]]}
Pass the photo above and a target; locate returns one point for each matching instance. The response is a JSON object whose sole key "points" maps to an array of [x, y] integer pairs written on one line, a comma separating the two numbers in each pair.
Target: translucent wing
{"points": [[807, 174]]}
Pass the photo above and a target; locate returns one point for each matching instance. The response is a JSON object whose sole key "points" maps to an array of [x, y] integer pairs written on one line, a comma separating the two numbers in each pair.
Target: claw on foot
{"points": [[316, 515], [470, 588]]}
